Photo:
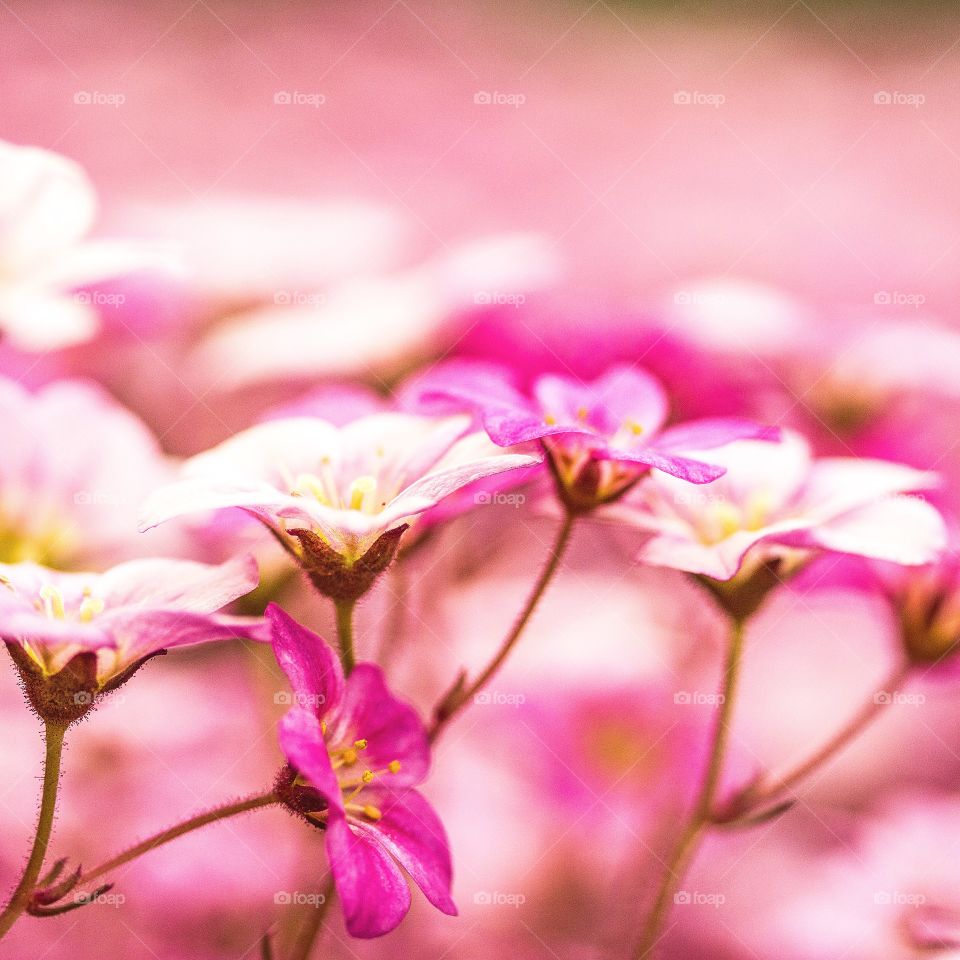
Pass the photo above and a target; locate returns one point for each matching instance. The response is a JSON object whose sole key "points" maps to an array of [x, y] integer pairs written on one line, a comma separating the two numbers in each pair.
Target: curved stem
{"points": [[849, 732], [308, 932], [171, 833], [54, 735], [345, 633], [462, 693], [686, 846]]}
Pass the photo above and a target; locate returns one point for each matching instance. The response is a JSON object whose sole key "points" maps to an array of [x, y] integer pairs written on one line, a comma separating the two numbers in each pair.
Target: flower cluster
{"points": [[363, 511]]}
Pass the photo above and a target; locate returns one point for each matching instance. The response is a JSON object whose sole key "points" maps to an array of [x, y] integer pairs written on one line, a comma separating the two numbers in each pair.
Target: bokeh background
{"points": [[760, 202]]}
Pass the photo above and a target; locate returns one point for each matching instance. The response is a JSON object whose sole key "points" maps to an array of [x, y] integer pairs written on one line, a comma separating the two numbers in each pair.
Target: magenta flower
{"points": [[600, 436], [76, 635], [355, 753], [776, 501]]}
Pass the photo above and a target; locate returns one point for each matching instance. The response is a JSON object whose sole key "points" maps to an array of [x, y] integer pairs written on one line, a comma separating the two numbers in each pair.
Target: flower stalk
{"points": [[54, 735]]}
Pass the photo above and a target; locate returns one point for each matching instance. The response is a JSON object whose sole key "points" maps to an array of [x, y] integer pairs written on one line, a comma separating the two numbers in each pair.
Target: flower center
{"points": [[361, 495], [51, 603], [346, 763]]}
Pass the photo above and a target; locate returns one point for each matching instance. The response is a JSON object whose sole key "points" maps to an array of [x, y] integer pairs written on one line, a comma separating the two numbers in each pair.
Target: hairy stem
{"points": [[54, 735], [686, 847], [254, 802], [345, 610], [462, 693]]}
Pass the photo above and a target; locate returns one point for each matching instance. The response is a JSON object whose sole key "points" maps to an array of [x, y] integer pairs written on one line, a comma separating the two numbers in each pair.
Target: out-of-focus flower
{"points": [[600, 437], [47, 206], [76, 635], [74, 469], [338, 491], [355, 754], [776, 502], [368, 325]]}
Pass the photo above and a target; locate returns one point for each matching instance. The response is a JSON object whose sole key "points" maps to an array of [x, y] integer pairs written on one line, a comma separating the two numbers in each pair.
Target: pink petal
{"points": [[308, 661], [373, 891], [392, 729], [413, 833], [139, 633], [301, 739], [693, 471], [713, 432], [178, 584]]}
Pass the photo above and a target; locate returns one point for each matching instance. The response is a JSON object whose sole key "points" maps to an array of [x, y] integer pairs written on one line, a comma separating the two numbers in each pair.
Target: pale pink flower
{"points": [[775, 500], [47, 206], [347, 485]]}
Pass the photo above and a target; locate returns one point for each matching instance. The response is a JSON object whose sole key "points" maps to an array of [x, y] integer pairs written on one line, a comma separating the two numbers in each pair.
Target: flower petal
{"points": [[411, 830], [373, 891], [692, 471], [178, 584], [301, 739], [308, 661], [392, 729], [713, 432]]}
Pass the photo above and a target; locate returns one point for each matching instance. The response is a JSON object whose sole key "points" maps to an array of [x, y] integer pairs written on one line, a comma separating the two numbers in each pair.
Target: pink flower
{"points": [[356, 753], [75, 635], [47, 205], [776, 501], [600, 436], [75, 467], [347, 486]]}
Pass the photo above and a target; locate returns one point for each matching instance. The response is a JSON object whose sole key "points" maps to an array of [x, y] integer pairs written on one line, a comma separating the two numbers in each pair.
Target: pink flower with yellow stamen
{"points": [[355, 754]]}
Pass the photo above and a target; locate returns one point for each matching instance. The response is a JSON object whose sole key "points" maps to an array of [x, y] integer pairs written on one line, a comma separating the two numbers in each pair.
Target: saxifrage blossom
{"points": [[47, 206], [600, 436], [355, 754], [776, 500], [74, 636], [346, 494]]}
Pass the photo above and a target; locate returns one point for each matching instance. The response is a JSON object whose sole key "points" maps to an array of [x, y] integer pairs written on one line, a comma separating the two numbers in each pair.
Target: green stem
{"points": [[54, 735], [255, 802], [308, 932], [461, 694], [345, 633], [686, 846]]}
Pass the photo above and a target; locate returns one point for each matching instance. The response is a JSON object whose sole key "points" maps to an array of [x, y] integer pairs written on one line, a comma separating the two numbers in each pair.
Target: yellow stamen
{"points": [[52, 602], [349, 756], [394, 766], [550, 420], [323, 727], [367, 776], [311, 484], [360, 744], [582, 413], [90, 607], [360, 490], [635, 428], [372, 812]]}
